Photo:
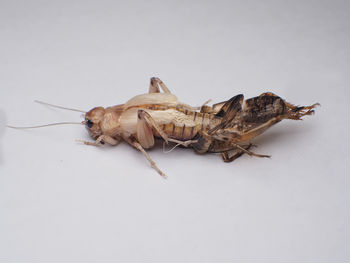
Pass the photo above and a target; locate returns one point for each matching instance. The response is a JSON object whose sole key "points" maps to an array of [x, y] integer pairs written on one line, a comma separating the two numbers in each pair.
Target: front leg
{"points": [[102, 139]]}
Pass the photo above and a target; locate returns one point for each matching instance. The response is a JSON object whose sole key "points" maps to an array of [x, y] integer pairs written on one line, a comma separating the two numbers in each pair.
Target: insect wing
{"points": [[151, 99]]}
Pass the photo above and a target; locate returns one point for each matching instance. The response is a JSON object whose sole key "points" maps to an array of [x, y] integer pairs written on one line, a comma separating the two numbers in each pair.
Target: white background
{"points": [[61, 201]]}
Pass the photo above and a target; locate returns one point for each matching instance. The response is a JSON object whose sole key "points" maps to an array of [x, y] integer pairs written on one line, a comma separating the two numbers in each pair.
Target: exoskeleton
{"points": [[224, 128]]}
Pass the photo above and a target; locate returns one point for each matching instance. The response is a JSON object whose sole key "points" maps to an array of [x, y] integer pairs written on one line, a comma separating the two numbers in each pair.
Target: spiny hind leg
{"points": [[227, 158], [101, 140], [144, 126], [156, 84], [139, 147], [151, 123], [249, 152]]}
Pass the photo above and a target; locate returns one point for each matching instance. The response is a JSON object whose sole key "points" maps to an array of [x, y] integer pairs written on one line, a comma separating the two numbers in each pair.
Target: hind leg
{"points": [[249, 152], [227, 158]]}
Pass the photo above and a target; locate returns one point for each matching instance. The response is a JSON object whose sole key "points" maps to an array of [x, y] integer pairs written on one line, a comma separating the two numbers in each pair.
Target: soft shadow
{"points": [[2, 131], [286, 132]]}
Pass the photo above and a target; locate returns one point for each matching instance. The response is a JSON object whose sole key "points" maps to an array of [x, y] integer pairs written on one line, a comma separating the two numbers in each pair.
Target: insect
{"points": [[226, 127]]}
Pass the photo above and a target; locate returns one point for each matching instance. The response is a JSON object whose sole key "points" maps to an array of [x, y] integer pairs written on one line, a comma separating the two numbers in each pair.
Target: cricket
{"points": [[226, 128]]}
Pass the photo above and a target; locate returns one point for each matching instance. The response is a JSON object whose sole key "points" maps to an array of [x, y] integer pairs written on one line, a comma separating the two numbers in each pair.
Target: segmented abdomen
{"points": [[181, 124]]}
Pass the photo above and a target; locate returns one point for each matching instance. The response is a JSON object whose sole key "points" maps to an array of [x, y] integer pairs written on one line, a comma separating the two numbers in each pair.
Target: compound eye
{"points": [[89, 123]]}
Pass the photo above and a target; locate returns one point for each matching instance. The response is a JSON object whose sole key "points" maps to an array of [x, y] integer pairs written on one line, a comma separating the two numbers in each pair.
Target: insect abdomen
{"points": [[185, 125], [180, 132]]}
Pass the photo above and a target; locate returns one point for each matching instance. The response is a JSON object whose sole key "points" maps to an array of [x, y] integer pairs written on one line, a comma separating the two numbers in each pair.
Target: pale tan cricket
{"points": [[224, 128]]}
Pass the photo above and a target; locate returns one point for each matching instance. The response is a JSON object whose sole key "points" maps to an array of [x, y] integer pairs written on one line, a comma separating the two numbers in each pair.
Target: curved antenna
{"points": [[41, 126], [56, 106]]}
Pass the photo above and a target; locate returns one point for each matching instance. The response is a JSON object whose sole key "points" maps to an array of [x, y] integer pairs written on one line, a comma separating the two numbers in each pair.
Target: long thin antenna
{"points": [[56, 106], [41, 126]]}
